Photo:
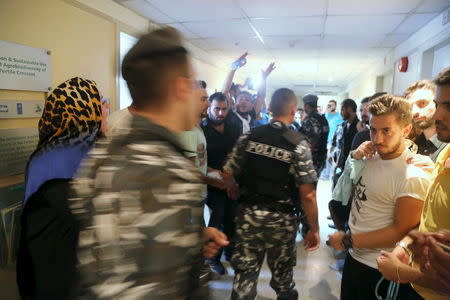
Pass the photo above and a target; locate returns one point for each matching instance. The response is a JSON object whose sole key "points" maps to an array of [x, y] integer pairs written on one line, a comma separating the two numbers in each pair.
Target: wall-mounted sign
{"points": [[16, 146], [24, 68], [21, 109]]}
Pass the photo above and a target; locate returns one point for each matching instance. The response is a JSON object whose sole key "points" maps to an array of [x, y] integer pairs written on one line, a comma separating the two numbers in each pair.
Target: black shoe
{"points": [[217, 267], [332, 226], [291, 295], [329, 218], [205, 274]]}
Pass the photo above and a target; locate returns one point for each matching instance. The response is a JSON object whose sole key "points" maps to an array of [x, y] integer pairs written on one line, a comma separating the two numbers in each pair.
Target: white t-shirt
{"points": [[245, 122], [381, 184], [118, 121], [194, 142]]}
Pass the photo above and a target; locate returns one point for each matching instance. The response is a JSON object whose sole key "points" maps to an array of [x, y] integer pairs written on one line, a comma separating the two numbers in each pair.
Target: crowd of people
{"points": [[114, 205]]}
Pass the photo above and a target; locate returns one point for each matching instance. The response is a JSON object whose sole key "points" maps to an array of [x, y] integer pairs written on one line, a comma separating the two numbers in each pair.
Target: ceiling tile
{"points": [[351, 42], [393, 40], [289, 8], [145, 9], [289, 26], [433, 6], [294, 43], [414, 22], [362, 25], [295, 53], [370, 7], [198, 10], [232, 29], [188, 34], [228, 45], [353, 53]]}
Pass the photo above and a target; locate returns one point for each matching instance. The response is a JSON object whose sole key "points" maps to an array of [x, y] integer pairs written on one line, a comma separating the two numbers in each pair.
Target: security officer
{"points": [[269, 164], [315, 127]]}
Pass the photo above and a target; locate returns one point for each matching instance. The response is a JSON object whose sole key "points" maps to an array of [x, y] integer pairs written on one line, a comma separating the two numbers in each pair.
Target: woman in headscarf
{"points": [[70, 124]]}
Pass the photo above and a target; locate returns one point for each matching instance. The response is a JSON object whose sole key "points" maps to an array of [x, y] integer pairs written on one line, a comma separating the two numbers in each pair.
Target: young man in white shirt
{"points": [[387, 200]]}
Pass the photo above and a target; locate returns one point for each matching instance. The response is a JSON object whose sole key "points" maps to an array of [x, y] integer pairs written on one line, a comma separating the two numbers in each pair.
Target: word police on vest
{"points": [[269, 151]]}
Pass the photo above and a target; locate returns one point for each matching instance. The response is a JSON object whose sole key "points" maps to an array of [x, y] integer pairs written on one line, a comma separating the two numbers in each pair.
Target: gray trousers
{"points": [[259, 232]]}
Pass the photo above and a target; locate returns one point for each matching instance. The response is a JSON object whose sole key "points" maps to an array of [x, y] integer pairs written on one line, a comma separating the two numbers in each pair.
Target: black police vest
{"points": [[270, 152]]}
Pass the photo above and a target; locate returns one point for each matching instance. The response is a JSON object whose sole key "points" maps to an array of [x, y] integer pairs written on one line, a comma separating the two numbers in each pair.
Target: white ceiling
{"points": [[318, 45]]}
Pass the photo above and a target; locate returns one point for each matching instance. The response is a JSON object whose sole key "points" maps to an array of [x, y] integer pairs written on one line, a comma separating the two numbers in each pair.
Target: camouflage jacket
{"points": [[137, 201]]}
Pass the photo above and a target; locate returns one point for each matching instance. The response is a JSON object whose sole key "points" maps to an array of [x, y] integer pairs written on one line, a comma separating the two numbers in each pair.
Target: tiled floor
{"points": [[313, 277]]}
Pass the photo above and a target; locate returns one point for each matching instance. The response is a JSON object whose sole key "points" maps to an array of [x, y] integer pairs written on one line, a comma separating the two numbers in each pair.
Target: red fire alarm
{"points": [[403, 64]]}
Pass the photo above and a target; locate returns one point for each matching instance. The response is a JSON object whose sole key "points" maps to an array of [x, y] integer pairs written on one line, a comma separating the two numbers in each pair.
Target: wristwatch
{"points": [[405, 247], [347, 241]]}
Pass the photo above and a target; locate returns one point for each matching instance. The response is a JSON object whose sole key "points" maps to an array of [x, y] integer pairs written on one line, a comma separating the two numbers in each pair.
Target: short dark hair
{"points": [[419, 85], [365, 100], [349, 103], [218, 96], [332, 100], [300, 109], [376, 95], [151, 62], [281, 99], [202, 84], [443, 78], [390, 104]]}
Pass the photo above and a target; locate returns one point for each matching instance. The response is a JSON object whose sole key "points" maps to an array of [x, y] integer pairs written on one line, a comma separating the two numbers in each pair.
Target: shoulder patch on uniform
{"points": [[269, 151]]}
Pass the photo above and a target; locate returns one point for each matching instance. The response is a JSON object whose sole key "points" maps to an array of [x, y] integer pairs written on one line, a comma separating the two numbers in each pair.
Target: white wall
{"points": [[441, 58], [419, 48], [205, 65], [403, 79]]}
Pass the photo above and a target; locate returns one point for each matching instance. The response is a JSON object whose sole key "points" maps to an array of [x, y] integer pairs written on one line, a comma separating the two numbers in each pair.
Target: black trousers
{"points": [[359, 282], [222, 217]]}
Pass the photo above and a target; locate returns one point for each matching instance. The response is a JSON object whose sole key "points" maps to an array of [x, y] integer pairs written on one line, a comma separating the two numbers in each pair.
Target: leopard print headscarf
{"points": [[72, 111]]}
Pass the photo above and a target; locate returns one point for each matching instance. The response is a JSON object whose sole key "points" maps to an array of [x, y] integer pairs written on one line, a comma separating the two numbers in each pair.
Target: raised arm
{"points": [[238, 63], [261, 96]]}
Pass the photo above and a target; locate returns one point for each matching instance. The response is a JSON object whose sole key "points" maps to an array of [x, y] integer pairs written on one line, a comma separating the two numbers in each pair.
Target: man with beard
{"points": [[220, 139], [430, 271], [363, 124], [343, 137], [334, 119], [420, 95], [363, 134], [340, 149], [387, 201], [247, 110]]}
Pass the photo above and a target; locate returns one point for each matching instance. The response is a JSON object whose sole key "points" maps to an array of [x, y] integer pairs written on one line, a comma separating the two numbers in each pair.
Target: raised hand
{"points": [[269, 69], [240, 62]]}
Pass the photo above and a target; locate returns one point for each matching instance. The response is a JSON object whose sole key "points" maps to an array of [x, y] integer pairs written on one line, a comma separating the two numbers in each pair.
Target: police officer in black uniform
{"points": [[315, 127], [269, 164]]}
